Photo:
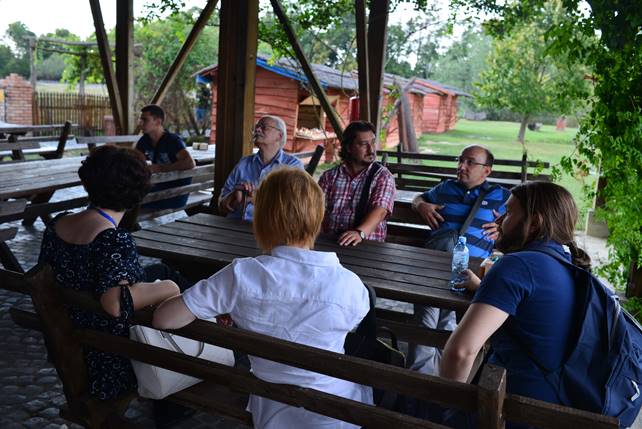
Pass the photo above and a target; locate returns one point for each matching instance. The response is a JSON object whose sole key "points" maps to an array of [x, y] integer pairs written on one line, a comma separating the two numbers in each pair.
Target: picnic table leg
{"points": [[39, 199], [16, 154], [8, 259]]}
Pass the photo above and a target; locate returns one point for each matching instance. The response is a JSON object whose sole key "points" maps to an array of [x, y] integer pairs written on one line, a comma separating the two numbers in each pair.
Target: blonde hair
{"points": [[288, 209]]}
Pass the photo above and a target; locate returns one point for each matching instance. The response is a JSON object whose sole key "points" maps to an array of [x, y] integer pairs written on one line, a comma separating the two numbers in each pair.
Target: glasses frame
{"points": [[468, 161], [263, 126]]}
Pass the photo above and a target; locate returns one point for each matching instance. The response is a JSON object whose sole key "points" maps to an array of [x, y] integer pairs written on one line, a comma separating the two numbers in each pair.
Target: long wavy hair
{"points": [[550, 214]]}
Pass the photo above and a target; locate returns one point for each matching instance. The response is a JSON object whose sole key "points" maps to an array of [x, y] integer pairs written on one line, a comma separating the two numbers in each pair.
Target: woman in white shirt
{"points": [[291, 292]]}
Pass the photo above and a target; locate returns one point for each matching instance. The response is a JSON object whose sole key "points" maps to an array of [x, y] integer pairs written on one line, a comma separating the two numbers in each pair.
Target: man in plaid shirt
{"points": [[343, 186]]}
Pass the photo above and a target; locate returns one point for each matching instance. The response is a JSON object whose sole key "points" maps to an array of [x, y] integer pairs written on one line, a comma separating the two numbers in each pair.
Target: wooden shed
{"points": [[282, 90], [439, 106]]}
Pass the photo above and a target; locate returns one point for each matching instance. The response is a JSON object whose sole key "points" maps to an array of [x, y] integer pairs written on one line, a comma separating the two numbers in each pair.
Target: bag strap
{"points": [[360, 212], [474, 208]]}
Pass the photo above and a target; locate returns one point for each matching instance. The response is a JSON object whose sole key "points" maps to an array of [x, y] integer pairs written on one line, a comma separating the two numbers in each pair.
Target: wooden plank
{"points": [[377, 39], [125, 61], [8, 208], [7, 234], [105, 60], [491, 394], [307, 69], [184, 51], [235, 86], [19, 145], [434, 157], [132, 138], [174, 192], [520, 409], [362, 59]]}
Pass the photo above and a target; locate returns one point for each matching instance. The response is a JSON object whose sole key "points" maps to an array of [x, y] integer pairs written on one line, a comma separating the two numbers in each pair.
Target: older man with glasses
{"points": [[446, 206], [270, 135]]}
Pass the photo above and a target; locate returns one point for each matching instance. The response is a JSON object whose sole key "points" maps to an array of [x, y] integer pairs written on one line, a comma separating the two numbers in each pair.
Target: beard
{"points": [[510, 241]]}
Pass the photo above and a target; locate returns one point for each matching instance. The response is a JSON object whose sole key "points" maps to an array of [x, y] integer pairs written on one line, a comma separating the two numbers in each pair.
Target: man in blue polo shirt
{"points": [[447, 205], [166, 151], [270, 135]]}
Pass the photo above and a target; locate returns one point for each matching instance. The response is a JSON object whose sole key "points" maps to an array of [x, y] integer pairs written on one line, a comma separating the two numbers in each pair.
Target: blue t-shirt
{"points": [[538, 293], [164, 153], [250, 169], [458, 201]]}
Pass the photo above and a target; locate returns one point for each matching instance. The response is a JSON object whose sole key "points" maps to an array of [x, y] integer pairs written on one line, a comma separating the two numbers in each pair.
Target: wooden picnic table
{"points": [[42, 177], [395, 271], [13, 142]]}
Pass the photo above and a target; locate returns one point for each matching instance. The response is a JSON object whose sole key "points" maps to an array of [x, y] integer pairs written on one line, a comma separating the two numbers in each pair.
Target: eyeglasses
{"points": [[263, 126], [468, 161]]}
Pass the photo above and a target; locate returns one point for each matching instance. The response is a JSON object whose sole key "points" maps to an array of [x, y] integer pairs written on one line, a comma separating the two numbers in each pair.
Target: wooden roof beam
{"points": [[189, 43], [377, 38], [235, 86], [105, 59], [307, 69], [125, 61], [362, 59]]}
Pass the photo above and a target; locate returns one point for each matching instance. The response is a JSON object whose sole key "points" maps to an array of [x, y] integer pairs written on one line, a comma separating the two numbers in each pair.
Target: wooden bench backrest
{"points": [[488, 398], [413, 171], [93, 141]]}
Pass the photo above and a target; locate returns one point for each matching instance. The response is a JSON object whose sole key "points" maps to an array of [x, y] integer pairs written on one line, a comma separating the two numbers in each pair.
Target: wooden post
{"points": [[125, 60], [32, 63], [490, 396], [235, 86], [307, 69], [362, 59], [377, 38], [180, 58], [105, 59]]}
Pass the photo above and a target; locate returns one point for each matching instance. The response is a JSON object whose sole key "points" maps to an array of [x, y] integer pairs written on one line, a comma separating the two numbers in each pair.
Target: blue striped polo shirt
{"points": [[458, 201]]}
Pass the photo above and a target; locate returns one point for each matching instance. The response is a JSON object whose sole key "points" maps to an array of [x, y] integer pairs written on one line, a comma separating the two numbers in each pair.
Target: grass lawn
{"points": [[547, 144]]}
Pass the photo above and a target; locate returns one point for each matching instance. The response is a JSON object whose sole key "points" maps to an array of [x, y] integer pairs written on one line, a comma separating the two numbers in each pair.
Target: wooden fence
{"points": [[86, 111]]}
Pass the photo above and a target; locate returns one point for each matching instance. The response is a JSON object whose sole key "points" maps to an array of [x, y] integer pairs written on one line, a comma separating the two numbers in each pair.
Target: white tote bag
{"points": [[157, 383]]}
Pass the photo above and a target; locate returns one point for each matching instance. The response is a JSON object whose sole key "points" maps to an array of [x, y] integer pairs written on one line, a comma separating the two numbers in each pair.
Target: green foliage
{"points": [[15, 58], [611, 134], [159, 41], [524, 78], [634, 306]]}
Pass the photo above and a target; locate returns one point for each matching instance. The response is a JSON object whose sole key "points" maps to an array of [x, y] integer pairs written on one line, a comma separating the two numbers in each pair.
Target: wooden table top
{"points": [[6, 128], [396, 271], [20, 179]]}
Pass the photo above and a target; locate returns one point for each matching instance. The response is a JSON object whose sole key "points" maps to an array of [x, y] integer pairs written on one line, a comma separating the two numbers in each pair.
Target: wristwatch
{"points": [[361, 234]]}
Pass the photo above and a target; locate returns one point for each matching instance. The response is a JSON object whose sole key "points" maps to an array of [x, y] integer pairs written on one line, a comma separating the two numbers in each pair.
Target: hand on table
{"points": [[235, 199], [349, 238]]}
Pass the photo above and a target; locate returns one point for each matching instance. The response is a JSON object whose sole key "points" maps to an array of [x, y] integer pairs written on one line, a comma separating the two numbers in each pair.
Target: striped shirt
{"points": [[458, 201], [342, 195]]}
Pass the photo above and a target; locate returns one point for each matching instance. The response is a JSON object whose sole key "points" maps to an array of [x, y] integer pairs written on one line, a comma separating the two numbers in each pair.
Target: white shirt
{"points": [[297, 295]]}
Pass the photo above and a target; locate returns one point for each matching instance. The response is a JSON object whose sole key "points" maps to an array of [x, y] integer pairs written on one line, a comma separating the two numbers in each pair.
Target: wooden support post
{"points": [[184, 52], [377, 38], [33, 78], [125, 61], [105, 60], [307, 69], [362, 59], [490, 397], [235, 86]]}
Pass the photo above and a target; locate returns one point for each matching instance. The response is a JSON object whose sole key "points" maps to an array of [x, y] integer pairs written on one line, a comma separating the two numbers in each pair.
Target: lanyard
{"points": [[105, 215]]}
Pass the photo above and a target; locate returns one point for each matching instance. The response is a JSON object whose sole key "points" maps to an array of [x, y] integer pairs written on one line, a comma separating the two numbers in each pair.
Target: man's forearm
{"points": [[373, 218], [417, 201]]}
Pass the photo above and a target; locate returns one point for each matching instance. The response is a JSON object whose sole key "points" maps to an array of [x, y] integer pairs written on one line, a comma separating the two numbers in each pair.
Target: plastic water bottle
{"points": [[459, 265]]}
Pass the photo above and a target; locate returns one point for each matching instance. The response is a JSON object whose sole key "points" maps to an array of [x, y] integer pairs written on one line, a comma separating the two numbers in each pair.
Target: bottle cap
{"points": [[462, 239]]}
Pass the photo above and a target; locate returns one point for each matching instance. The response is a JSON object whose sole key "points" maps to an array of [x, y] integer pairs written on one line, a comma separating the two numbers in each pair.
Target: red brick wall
{"points": [[18, 96]]}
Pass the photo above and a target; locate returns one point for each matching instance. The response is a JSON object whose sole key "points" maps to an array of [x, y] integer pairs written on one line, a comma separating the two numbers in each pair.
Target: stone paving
{"points": [[30, 392]]}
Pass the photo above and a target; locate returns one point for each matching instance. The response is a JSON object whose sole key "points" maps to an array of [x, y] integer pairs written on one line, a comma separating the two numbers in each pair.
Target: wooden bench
{"points": [[224, 390], [420, 172], [7, 258], [93, 141], [199, 195], [17, 148]]}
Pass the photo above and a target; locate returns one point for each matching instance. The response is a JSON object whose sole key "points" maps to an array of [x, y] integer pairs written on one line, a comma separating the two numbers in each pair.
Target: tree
{"points": [[159, 41], [610, 136], [524, 78], [18, 33]]}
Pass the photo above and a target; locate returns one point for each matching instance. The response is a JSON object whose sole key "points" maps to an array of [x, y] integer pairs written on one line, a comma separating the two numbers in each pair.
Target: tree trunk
{"points": [[522, 132]]}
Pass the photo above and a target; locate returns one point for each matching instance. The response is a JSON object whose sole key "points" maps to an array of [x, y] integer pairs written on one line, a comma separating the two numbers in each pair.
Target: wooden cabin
{"points": [[282, 90]]}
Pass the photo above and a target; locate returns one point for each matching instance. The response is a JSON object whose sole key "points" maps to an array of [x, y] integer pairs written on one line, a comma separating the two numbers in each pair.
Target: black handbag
{"points": [[365, 344], [445, 239]]}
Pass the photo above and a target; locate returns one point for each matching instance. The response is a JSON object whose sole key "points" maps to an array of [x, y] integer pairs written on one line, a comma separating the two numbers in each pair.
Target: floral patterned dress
{"points": [[95, 268]]}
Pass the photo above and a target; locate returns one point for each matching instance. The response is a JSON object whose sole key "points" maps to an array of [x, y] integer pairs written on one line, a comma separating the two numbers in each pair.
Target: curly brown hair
{"points": [[115, 178], [350, 133]]}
